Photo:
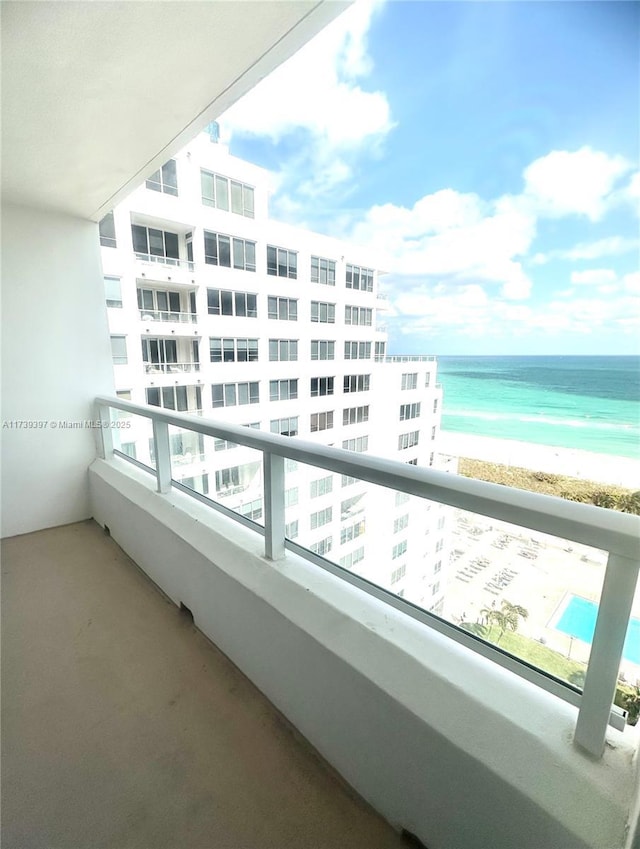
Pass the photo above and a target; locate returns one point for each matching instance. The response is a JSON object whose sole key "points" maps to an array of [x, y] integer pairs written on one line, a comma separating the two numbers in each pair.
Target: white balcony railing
{"points": [[166, 260], [406, 358], [164, 315], [616, 533], [170, 368]]}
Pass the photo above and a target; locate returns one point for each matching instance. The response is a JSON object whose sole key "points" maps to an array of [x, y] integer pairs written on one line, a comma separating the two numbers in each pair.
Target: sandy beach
{"points": [[604, 468]]}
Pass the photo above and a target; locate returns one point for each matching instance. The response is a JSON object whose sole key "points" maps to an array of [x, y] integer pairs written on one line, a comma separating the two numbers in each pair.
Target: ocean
{"points": [[589, 403]]}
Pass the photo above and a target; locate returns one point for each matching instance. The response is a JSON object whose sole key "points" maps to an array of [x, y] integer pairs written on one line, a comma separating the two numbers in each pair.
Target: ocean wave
{"points": [[539, 418]]}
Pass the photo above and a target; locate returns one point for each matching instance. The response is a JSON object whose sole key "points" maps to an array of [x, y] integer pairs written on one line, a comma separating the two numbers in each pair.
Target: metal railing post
{"points": [[163, 455], [599, 689], [105, 437], [273, 466]]}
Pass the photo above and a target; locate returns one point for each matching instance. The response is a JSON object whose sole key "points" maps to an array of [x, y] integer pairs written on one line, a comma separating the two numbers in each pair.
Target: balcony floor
{"points": [[124, 727]]}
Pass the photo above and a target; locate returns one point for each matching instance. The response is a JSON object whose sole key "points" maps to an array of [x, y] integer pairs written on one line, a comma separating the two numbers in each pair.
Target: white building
{"points": [[218, 309]]}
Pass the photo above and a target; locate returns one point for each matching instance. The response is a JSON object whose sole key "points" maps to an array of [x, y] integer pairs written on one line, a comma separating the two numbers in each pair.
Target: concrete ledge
{"points": [[439, 740]]}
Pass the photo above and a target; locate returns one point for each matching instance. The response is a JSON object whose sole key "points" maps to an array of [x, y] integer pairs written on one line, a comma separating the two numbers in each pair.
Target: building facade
{"points": [[216, 309]]}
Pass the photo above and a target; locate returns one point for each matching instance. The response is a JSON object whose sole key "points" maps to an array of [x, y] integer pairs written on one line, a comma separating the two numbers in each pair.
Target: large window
{"points": [[224, 302], [283, 390], [408, 440], [356, 382], [119, 350], [321, 517], [165, 179], [233, 350], [217, 190], [321, 386], [235, 394], [108, 231], [161, 305], [359, 278], [285, 309], [351, 560], [323, 546], [322, 486], [399, 549], [285, 427], [409, 380], [282, 263], [355, 415], [399, 573], [322, 349], [357, 350], [173, 397], [360, 444], [401, 523], [358, 315], [148, 241], [323, 271], [112, 291], [283, 350], [323, 312], [220, 250], [409, 411], [352, 532], [321, 421]]}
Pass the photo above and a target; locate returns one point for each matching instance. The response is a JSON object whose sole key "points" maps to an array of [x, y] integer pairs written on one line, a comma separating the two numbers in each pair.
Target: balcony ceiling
{"points": [[97, 95]]}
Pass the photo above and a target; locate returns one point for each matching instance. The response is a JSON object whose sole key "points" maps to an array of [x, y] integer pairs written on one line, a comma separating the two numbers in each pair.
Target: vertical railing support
{"points": [[273, 467], [163, 455], [105, 436], [614, 611]]}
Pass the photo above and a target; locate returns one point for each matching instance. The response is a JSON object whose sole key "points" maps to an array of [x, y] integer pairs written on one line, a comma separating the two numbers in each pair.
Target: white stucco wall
{"points": [[56, 358], [439, 740]]}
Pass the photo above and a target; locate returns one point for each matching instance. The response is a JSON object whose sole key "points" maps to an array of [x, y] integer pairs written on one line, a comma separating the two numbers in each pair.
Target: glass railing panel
{"points": [[133, 436]]}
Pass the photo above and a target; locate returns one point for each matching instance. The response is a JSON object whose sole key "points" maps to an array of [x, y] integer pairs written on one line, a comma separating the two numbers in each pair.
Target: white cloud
{"points": [[611, 246], [631, 282], [573, 183], [593, 277]]}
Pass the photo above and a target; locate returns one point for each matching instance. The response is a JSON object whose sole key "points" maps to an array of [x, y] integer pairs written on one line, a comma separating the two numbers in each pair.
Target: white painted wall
{"points": [[439, 740], [56, 358]]}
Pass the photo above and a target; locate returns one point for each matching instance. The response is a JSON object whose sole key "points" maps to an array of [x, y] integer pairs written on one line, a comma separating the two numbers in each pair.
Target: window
{"points": [[381, 348], [402, 498], [148, 242], [413, 462], [129, 448], [215, 192], [433, 433], [428, 381], [347, 480], [283, 350], [399, 549], [435, 589], [223, 445], [234, 394], [441, 522], [401, 523], [357, 350], [324, 546], [285, 309], [350, 560], [398, 574], [440, 545], [435, 406], [409, 411], [119, 350], [200, 483], [321, 421], [322, 349], [360, 444], [159, 353], [352, 532], [291, 529], [252, 509], [355, 415], [107, 230], [165, 179], [283, 390], [437, 567], [171, 397], [233, 350], [322, 486], [219, 250], [224, 302], [285, 427], [321, 517], [431, 458], [408, 440], [321, 386], [356, 382], [323, 312], [359, 278], [290, 465], [409, 380], [161, 305], [112, 291], [291, 496], [358, 315], [323, 271], [282, 263], [228, 478]]}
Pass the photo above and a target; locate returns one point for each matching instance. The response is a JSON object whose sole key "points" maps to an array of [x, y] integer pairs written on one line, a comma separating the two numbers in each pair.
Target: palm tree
{"points": [[507, 618]]}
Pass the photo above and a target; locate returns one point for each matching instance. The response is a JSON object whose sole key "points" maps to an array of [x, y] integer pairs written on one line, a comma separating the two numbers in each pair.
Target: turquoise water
{"points": [[579, 620], [589, 403]]}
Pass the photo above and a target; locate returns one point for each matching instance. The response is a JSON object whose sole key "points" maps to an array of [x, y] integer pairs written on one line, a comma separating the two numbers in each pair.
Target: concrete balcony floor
{"points": [[124, 727]]}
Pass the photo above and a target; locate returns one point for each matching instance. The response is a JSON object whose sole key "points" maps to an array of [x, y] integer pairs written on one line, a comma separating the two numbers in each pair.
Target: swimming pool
{"points": [[579, 620]]}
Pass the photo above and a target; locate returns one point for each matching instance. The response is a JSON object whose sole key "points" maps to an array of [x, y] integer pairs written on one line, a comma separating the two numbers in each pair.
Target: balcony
{"points": [[171, 368], [172, 262], [406, 358], [163, 315]]}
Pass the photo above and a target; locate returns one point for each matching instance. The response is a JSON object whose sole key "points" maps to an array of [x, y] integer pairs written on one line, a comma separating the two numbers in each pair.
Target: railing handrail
{"points": [[164, 260], [168, 315], [583, 523], [406, 358]]}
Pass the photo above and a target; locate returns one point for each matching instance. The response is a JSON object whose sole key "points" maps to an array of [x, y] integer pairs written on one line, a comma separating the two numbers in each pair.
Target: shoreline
{"points": [[572, 462]]}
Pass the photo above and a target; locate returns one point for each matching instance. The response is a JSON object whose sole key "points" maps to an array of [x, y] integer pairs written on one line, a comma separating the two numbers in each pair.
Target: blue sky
{"points": [[487, 152]]}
